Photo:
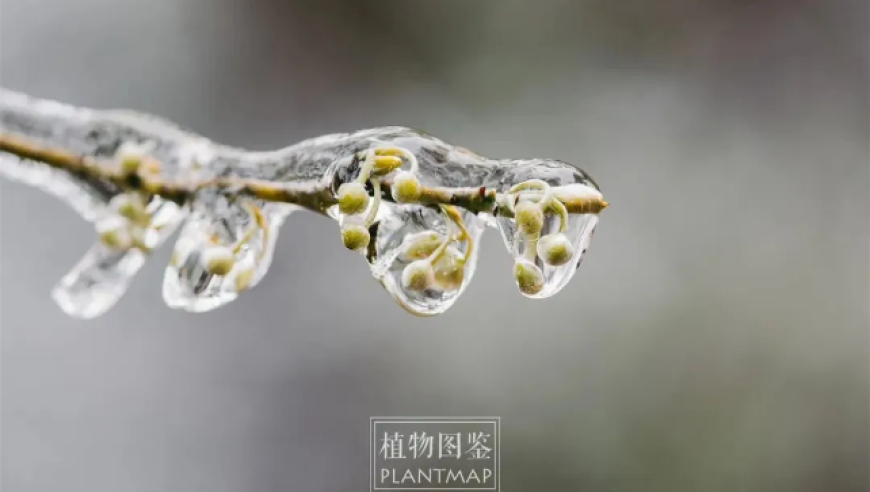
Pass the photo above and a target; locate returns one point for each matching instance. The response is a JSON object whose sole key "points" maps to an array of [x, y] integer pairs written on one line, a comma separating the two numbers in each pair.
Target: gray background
{"points": [[715, 340]]}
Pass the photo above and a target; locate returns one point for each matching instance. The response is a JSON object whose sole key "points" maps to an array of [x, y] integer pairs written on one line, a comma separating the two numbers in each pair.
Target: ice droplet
{"points": [[578, 229], [215, 222], [398, 227], [97, 281], [102, 276]]}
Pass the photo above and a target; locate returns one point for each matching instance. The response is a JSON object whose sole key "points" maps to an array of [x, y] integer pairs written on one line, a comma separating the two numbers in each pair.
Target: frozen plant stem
{"points": [[138, 178], [315, 197]]}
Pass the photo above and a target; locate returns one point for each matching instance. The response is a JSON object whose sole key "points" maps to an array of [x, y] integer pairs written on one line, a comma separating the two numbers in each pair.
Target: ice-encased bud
{"points": [[571, 188], [420, 245], [555, 249], [578, 231], [418, 275], [449, 270], [355, 237], [218, 260], [114, 234], [406, 187], [386, 163], [99, 279], [530, 278], [529, 217], [221, 250], [130, 157], [131, 206], [401, 230], [352, 198]]}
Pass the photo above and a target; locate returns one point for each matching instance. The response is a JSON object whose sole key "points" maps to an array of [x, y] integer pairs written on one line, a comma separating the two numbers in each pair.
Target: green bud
{"points": [[529, 217], [418, 275], [555, 249], [352, 198], [129, 157], [116, 238], [530, 278], [406, 187], [355, 237], [421, 245], [450, 270], [218, 260], [131, 207]]}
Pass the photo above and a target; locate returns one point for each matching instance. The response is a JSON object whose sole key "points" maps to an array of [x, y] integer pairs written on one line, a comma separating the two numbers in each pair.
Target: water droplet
{"points": [[401, 233], [245, 228], [97, 281], [102, 276], [578, 229]]}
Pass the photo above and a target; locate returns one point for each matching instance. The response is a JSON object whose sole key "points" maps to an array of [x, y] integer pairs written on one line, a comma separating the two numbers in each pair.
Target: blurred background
{"points": [[715, 339]]}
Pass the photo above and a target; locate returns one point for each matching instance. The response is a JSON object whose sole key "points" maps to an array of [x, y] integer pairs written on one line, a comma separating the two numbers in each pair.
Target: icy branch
{"points": [[412, 204]]}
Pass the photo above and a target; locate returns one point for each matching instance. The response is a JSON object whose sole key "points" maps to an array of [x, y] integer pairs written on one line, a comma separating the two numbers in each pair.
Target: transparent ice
{"points": [[187, 285], [396, 226], [579, 231], [224, 218]]}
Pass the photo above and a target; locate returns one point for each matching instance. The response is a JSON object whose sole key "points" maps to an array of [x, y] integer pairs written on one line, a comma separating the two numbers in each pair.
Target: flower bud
{"points": [[406, 187], [115, 237], [355, 237], [130, 207], [555, 249], [418, 275], [449, 270], [530, 278], [421, 245], [129, 157], [218, 260], [352, 198], [386, 164], [529, 217]]}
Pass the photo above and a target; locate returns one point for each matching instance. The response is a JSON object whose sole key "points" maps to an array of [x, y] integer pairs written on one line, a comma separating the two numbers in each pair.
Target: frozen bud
{"points": [[129, 206], [449, 270], [529, 217], [218, 260], [355, 237], [418, 275], [352, 198], [421, 245], [386, 164], [130, 156], [555, 249], [406, 187], [530, 278], [115, 236]]}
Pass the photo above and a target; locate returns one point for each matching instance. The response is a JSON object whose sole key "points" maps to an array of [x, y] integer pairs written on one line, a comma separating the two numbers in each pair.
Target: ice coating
{"points": [[579, 231], [215, 224], [578, 228], [102, 276], [393, 251], [240, 231]]}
